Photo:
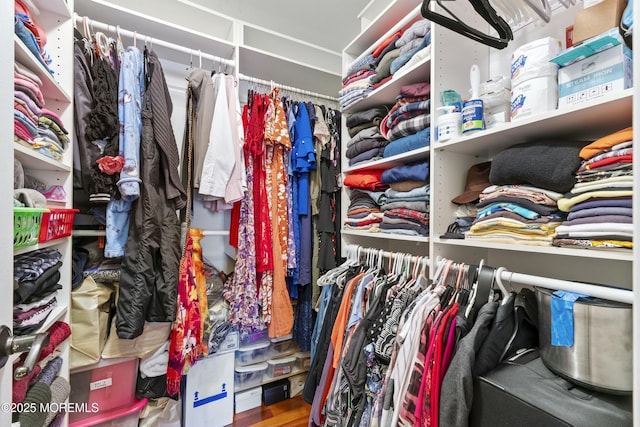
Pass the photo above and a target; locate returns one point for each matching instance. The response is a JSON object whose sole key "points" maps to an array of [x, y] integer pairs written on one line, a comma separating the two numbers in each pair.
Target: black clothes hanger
{"points": [[484, 9]]}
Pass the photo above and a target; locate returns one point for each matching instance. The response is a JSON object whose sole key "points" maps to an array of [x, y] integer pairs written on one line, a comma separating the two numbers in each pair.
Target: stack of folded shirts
{"points": [[407, 125], [364, 213], [406, 202], [36, 282], [366, 145], [516, 214], [29, 32], [528, 180], [599, 205], [35, 126], [357, 84], [412, 46]]}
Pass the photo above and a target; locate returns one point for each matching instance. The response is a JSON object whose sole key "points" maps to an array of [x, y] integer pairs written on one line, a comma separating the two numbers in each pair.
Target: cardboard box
{"points": [[597, 19], [208, 399], [590, 47], [598, 75]]}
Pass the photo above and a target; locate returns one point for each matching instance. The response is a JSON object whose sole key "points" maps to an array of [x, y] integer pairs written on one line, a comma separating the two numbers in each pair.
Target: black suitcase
{"points": [[523, 392]]}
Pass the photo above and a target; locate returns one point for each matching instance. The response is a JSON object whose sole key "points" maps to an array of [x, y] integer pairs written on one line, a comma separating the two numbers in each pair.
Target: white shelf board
{"points": [[393, 161], [602, 116], [611, 254], [388, 236], [51, 89], [31, 159], [386, 93], [58, 7], [89, 233], [129, 18], [37, 246], [388, 18], [267, 66]]}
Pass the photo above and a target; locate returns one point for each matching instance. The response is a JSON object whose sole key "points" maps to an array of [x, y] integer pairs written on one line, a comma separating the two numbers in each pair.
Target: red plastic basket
{"points": [[56, 223]]}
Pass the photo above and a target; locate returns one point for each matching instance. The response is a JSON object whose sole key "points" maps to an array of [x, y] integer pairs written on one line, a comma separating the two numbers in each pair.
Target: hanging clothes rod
{"points": [[152, 40], [285, 87], [604, 292], [359, 250]]}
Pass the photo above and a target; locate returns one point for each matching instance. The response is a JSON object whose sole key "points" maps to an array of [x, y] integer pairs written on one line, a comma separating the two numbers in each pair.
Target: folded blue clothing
{"points": [[419, 192], [28, 39], [405, 57], [405, 144], [412, 172], [22, 118]]}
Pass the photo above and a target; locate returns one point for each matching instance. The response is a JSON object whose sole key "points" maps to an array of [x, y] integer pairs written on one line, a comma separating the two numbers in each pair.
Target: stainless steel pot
{"points": [[601, 357]]}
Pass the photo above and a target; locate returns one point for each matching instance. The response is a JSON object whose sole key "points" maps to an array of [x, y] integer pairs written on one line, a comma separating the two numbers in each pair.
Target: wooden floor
{"points": [[288, 413]]}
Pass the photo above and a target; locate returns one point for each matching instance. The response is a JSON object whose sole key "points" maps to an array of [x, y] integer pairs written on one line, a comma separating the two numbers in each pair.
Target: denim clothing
{"points": [[129, 111], [29, 40], [405, 57], [325, 297]]}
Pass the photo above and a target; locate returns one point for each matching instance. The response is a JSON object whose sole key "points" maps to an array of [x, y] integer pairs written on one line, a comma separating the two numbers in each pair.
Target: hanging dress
{"points": [[241, 292], [278, 146]]}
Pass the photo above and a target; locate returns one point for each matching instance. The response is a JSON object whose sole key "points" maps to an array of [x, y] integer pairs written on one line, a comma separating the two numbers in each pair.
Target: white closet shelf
{"points": [[89, 233], [600, 117], [51, 89], [393, 161], [605, 254], [386, 94], [31, 159], [385, 23], [43, 245], [388, 236], [130, 17], [267, 66], [58, 7]]}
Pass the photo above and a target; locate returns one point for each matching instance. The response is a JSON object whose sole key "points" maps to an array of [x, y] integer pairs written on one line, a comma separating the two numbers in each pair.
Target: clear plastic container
{"points": [[281, 344], [283, 366], [250, 339], [250, 375], [252, 354], [303, 360], [124, 417]]}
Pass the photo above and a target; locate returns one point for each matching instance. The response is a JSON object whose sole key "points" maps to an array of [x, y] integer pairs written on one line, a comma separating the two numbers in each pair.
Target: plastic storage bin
{"points": [[253, 338], [56, 223], [26, 226], [252, 354], [303, 360], [108, 385], [282, 344], [125, 417], [250, 375], [283, 366]]}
